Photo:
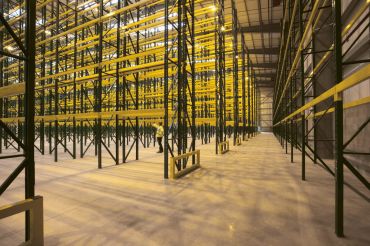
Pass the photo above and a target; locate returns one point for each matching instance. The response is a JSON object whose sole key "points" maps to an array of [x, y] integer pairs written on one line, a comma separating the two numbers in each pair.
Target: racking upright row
{"points": [[318, 40], [80, 75], [106, 70], [22, 37]]}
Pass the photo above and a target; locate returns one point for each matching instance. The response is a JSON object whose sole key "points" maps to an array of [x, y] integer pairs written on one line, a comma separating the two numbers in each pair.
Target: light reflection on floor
{"points": [[252, 195]]}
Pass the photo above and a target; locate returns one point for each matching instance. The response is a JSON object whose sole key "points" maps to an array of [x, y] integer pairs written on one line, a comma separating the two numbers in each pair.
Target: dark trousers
{"points": [[159, 140]]}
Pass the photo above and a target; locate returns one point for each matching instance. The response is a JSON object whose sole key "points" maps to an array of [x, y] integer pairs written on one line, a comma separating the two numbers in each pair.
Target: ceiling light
{"points": [[9, 48]]}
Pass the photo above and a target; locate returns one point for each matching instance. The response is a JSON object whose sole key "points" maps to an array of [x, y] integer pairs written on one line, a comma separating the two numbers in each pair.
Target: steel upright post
{"points": [[118, 85], [243, 88], [220, 73], [98, 98], [235, 72], [314, 89], [303, 117], [42, 82], [137, 81], [165, 86], [74, 135], [291, 94], [249, 95], [192, 78], [124, 85], [339, 180], [255, 107], [30, 107], [338, 121], [82, 129], [252, 103], [56, 87]]}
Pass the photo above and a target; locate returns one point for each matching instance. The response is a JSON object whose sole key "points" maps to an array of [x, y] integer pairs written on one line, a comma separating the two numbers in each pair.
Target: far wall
{"points": [[264, 107]]}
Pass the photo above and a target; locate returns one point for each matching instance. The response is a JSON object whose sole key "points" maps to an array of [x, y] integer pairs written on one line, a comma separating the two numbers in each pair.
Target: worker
{"points": [[159, 135]]}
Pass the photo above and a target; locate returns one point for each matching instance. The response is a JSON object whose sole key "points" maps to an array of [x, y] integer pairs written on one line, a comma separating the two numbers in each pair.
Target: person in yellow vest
{"points": [[159, 135]]}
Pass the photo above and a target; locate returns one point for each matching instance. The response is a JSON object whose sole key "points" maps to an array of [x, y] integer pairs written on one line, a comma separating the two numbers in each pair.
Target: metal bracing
{"points": [[220, 74], [89, 78], [24, 134], [235, 72], [244, 88], [107, 70], [299, 109], [180, 108]]}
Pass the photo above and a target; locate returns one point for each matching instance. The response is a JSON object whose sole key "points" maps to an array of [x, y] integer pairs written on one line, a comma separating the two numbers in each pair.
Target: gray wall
{"points": [[354, 117], [265, 98], [322, 82]]}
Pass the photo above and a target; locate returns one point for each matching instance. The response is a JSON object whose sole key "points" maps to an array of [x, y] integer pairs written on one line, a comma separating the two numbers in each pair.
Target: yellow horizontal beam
{"points": [[352, 80], [12, 90]]}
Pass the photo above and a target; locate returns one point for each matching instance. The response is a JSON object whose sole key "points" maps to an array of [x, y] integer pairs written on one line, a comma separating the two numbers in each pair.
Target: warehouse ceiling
{"points": [[260, 22]]}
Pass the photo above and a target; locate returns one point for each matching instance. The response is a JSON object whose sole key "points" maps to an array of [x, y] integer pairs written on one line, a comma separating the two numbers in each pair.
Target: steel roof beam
{"points": [[273, 28], [274, 51]]}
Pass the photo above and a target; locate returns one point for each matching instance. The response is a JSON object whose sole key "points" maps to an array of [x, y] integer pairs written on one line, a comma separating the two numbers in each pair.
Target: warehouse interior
{"points": [[166, 122]]}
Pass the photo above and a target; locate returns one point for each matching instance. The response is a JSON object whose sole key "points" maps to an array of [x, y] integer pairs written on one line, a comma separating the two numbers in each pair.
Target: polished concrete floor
{"points": [[252, 195]]}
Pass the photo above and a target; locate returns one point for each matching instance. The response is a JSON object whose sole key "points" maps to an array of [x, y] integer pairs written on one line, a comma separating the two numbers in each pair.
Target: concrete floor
{"points": [[252, 195]]}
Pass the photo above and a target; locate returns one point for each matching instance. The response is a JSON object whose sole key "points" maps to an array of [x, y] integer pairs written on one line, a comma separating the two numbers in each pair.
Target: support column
{"points": [[30, 108], [338, 120], [303, 116], [243, 89]]}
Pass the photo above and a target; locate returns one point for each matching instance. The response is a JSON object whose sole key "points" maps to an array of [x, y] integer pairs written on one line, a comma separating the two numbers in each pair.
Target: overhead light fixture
{"points": [[47, 32], [276, 3], [223, 29], [213, 8], [9, 48]]}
